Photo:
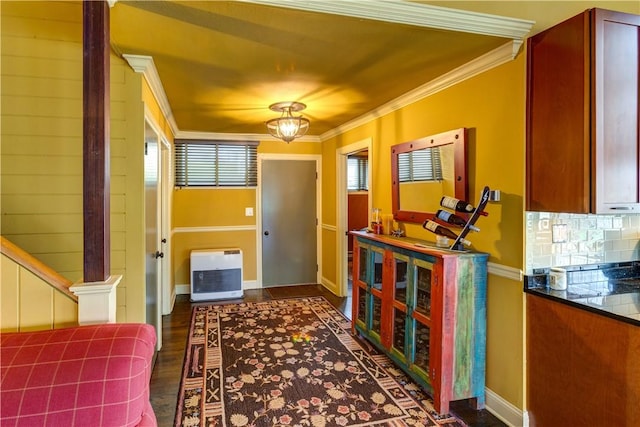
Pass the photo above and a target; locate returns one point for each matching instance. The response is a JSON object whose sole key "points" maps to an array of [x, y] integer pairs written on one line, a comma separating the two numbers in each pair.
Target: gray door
{"points": [[151, 229], [289, 240]]}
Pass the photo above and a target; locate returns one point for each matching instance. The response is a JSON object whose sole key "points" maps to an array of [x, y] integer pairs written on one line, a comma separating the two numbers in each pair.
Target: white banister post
{"points": [[96, 300]]}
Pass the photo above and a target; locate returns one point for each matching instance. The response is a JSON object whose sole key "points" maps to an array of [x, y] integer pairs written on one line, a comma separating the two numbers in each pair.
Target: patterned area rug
{"points": [[291, 362]]}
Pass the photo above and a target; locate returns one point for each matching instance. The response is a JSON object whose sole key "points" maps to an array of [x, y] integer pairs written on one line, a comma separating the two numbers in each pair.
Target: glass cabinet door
{"points": [[400, 298], [423, 288], [360, 284], [363, 260], [420, 320], [361, 307], [378, 260], [399, 331], [422, 346], [400, 278], [376, 314]]}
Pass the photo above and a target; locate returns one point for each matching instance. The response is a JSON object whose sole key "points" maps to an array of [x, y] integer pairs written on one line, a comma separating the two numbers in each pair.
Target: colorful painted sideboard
{"points": [[425, 307]]}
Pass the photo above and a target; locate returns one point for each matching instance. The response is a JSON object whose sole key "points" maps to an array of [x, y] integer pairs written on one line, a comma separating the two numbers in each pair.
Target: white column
{"points": [[96, 301]]}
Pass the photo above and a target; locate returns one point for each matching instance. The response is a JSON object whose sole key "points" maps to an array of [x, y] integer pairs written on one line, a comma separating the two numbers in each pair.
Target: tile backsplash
{"points": [[560, 239]]}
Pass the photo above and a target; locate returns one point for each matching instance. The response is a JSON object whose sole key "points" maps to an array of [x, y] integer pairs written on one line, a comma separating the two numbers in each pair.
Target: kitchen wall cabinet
{"points": [[583, 116], [425, 307]]}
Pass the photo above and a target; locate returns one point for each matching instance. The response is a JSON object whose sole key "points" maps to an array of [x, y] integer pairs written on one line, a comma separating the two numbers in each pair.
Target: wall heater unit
{"points": [[216, 274]]}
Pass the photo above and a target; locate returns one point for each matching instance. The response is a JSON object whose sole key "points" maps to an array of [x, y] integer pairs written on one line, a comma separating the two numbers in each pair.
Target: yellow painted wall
{"points": [[207, 218], [214, 218], [28, 303], [41, 152], [153, 108], [492, 106]]}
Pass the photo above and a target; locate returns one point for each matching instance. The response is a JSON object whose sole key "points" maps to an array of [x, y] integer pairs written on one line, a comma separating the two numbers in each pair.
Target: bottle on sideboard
{"points": [[453, 219], [436, 228], [458, 205]]}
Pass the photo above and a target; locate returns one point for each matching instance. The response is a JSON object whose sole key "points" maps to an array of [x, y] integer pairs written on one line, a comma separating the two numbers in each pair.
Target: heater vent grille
{"points": [[216, 274]]}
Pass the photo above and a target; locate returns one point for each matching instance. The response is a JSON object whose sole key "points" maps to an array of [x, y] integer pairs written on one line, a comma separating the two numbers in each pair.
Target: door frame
{"points": [[342, 205], [166, 180], [165, 295], [289, 157]]}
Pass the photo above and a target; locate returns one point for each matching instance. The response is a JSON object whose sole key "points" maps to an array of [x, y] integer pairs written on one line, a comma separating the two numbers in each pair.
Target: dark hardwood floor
{"points": [[165, 379]]}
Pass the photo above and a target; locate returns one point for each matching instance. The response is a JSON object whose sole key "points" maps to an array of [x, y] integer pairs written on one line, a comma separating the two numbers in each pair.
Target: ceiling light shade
{"points": [[288, 127]]}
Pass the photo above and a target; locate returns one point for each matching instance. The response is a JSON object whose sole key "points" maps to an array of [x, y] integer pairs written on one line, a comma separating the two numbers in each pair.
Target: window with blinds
{"points": [[216, 163], [357, 174], [420, 165]]}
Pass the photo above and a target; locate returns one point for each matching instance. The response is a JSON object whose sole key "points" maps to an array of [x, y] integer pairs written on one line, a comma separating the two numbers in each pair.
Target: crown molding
{"points": [[498, 56], [144, 65], [416, 14]]}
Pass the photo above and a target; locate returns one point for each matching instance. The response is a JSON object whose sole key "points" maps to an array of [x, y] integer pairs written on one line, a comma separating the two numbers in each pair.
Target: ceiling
{"points": [[220, 64]]}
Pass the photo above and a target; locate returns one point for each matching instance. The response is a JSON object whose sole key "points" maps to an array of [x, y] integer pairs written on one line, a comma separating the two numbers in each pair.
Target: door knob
{"points": [[266, 233]]}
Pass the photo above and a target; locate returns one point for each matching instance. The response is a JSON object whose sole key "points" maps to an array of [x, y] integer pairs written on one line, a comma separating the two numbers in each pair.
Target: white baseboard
{"points": [[504, 410], [250, 284], [186, 289]]}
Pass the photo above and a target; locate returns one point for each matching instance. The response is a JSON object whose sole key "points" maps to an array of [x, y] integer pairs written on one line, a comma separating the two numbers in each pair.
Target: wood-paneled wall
{"points": [[41, 195], [29, 303]]}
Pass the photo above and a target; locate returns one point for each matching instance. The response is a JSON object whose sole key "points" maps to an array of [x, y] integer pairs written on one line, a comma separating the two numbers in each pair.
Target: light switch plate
{"points": [[248, 211]]}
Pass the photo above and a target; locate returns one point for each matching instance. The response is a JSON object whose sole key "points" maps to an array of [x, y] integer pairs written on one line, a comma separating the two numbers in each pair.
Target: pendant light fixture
{"points": [[288, 127]]}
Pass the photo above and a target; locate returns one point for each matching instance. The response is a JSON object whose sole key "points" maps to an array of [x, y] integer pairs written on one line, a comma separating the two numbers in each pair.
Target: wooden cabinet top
{"points": [[416, 245]]}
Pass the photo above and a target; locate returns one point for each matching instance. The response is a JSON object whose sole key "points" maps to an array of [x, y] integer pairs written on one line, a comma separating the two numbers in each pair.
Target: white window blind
{"points": [[216, 164], [420, 165], [357, 173]]}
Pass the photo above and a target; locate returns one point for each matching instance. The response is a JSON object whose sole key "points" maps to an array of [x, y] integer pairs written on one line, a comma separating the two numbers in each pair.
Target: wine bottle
{"points": [[454, 219], [456, 204], [436, 228]]}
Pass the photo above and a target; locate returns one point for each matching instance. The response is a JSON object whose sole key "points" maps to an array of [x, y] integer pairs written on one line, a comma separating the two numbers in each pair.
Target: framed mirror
{"points": [[424, 170]]}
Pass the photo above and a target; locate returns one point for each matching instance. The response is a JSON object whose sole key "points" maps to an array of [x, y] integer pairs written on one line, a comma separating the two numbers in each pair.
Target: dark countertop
{"points": [[611, 290]]}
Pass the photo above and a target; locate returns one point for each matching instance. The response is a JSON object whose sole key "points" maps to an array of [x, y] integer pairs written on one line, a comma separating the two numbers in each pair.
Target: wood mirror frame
{"points": [[458, 138]]}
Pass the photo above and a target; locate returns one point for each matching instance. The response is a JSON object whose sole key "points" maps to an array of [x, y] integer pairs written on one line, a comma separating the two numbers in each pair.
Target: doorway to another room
{"points": [[353, 205]]}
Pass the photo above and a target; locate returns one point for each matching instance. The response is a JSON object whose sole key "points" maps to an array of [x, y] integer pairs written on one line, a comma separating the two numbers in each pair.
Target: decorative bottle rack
{"points": [[473, 217]]}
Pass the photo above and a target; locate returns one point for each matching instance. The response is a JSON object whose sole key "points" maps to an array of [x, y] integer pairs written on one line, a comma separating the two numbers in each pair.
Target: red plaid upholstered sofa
{"points": [[83, 376]]}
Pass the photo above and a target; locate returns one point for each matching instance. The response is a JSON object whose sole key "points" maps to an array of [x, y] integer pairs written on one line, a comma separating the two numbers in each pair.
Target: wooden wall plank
{"points": [[64, 12], [35, 303], [20, 46], [21, 85], [65, 311], [41, 144], [47, 68], [9, 277], [39, 204], [42, 165]]}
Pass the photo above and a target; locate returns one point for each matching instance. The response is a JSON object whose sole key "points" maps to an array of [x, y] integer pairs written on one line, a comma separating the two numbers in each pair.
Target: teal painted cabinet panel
{"points": [[425, 307]]}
